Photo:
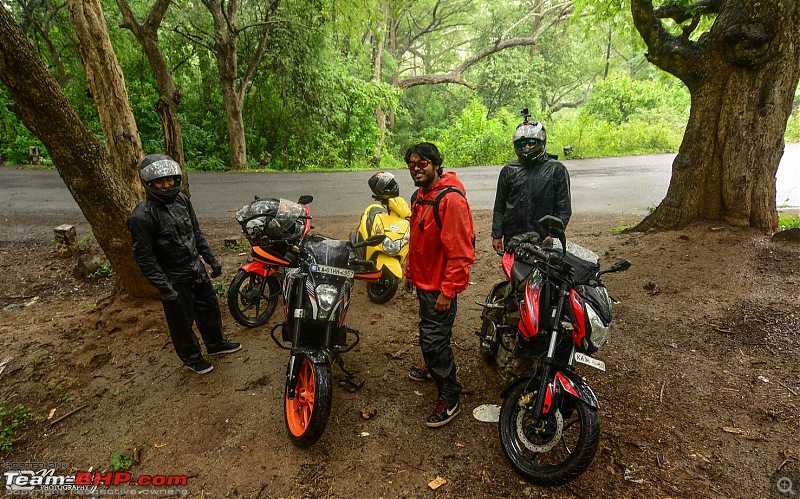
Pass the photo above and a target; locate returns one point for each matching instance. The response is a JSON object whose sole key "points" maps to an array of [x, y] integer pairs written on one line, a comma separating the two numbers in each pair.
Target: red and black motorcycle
{"points": [[553, 312]]}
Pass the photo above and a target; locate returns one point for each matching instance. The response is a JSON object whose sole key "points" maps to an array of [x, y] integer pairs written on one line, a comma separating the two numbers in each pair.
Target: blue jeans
{"points": [[435, 332]]}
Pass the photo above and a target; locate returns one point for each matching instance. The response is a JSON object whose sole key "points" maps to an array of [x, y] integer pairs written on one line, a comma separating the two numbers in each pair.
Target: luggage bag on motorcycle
{"points": [[585, 263], [272, 223]]}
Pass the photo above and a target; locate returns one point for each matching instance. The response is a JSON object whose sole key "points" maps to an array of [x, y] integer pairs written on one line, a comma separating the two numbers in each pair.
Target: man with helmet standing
{"points": [[441, 249], [533, 186], [167, 245]]}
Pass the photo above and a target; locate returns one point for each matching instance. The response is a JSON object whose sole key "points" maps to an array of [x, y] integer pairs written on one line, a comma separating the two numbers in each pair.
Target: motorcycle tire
{"points": [[488, 342], [553, 455], [252, 299], [306, 415], [384, 288]]}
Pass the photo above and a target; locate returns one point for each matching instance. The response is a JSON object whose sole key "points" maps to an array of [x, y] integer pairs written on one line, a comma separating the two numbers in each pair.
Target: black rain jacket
{"points": [[527, 193], [167, 242]]}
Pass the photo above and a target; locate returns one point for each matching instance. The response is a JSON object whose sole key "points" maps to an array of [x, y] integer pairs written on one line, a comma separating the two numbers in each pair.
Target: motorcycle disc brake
{"points": [[547, 436]]}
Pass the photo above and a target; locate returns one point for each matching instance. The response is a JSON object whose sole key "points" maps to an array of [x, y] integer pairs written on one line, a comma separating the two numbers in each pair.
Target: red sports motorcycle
{"points": [[552, 312]]}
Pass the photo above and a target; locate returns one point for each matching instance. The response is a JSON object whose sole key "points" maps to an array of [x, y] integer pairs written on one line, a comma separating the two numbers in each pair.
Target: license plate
{"points": [[324, 269], [590, 361]]}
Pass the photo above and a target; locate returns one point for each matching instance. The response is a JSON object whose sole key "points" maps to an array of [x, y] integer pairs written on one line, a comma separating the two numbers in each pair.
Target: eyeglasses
{"points": [[526, 142], [421, 164]]}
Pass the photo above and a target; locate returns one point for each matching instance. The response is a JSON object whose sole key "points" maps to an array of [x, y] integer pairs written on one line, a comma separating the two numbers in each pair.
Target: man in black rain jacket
{"points": [[527, 189], [167, 245]]}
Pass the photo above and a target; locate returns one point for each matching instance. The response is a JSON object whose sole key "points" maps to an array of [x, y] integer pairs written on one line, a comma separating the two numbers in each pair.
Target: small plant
{"points": [[85, 242], [121, 461], [788, 221], [238, 247], [623, 226], [220, 289], [121, 391], [35, 365], [104, 270], [10, 420], [65, 399]]}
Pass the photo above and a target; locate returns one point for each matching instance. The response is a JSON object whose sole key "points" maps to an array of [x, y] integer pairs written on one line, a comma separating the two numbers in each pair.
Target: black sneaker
{"points": [[201, 367], [226, 347], [443, 413], [420, 374]]}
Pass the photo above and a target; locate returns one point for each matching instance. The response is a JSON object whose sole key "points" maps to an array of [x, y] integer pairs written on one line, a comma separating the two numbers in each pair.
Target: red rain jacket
{"points": [[439, 259]]}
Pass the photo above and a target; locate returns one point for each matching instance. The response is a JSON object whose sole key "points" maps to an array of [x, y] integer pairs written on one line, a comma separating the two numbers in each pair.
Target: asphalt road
{"points": [[624, 185]]}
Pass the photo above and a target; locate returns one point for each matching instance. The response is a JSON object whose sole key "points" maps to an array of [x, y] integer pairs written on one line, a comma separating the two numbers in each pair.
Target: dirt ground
{"points": [[701, 397]]}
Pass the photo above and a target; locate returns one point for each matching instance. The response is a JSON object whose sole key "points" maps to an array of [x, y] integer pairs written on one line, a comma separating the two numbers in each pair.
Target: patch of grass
{"points": [[104, 270], [121, 391], [65, 399], [220, 289], [11, 419], [788, 221], [121, 461]]}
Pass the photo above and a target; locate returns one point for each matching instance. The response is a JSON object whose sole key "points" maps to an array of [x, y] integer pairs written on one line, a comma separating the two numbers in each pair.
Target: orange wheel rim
{"points": [[300, 409]]}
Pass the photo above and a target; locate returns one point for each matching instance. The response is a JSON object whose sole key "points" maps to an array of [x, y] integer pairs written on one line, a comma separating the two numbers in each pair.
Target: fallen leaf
{"points": [[436, 483], [52, 413]]}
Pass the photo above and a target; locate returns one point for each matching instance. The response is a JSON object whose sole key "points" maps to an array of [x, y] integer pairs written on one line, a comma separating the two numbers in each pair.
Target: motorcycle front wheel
{"points": [[384, 288], [307, 413], [554, 451], [252, 299]]}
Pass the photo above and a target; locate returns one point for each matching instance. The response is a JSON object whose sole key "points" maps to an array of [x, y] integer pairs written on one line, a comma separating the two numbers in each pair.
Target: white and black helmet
{"points": [[530, 133], [156, 166]]}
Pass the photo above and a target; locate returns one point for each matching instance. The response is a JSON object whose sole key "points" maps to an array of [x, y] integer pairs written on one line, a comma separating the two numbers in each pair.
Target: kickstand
{"points": [[351, 377]]}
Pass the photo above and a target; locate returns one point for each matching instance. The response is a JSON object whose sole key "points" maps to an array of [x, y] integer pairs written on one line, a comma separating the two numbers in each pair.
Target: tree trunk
{"points": [[107, 85], [741, 75], [104, 196], [169, 97]]}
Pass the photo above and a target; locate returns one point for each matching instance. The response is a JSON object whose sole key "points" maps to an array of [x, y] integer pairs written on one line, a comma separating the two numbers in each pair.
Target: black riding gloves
{"points": [[216, 269]]}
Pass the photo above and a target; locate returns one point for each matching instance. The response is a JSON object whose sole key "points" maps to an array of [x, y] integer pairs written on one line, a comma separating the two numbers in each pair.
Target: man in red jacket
{"points": [[441, 249]]}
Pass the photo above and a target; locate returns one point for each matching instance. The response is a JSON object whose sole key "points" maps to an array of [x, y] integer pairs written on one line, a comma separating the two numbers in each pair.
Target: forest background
{"points": [[349, 85]]}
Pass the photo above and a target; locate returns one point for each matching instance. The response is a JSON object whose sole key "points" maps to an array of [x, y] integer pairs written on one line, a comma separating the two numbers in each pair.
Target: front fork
{"points": [[316, 356], [544, 400]]}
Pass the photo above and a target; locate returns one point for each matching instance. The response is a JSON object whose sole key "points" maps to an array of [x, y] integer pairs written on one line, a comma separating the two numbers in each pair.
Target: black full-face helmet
{"points": [[384, 186], [156, 166], [530, 133]]}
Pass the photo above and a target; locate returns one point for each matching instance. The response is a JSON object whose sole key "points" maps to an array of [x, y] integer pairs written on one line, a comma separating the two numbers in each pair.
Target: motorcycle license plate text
{"points": [[590, 361], [333, 271]]}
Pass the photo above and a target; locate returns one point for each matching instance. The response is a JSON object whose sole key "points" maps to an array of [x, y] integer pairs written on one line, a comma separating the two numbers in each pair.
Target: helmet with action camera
{"points": [[530, 139]]}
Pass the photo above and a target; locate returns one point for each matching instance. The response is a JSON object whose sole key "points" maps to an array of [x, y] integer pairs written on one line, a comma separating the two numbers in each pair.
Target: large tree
{"points": [[742, 74], [146, 32], [101, 184]]}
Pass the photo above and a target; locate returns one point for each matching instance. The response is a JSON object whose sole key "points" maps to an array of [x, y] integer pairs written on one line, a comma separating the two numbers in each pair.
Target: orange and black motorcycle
{"points": [[317, 285], [254, 291]]}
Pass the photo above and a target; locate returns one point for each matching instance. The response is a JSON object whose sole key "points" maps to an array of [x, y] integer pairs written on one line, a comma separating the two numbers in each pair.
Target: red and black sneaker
{"points": [[420, 374], [443, 413]]}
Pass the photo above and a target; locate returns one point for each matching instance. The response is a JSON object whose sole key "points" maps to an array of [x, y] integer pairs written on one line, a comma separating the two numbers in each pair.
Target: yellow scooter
{"points": [[388, 217]]}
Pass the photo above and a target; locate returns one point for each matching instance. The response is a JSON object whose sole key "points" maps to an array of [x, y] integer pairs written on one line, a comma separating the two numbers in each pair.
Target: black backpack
{"points": [[435, 203]]}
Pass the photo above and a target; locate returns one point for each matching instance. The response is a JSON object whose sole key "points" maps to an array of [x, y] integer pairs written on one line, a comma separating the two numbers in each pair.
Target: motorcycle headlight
{"points": [[392, 247], [326, 296], [599, 333]]}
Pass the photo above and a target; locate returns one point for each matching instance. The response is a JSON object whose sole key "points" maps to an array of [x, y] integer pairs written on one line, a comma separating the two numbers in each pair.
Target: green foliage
{"points": [[619, 99], [103, 270], [120, 391], [473, 139], [788, 221], [11, 419], [121, 461], [220, 289]]}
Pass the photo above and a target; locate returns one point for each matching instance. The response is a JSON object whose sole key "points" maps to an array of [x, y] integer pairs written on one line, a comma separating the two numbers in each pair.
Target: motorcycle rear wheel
{"points": [[252, 299], [488, 341], [307, 413], [384, 288], [560, 450]]}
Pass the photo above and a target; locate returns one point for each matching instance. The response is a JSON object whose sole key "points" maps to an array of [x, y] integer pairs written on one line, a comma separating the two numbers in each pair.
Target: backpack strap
{"points": [[435, 201]]}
